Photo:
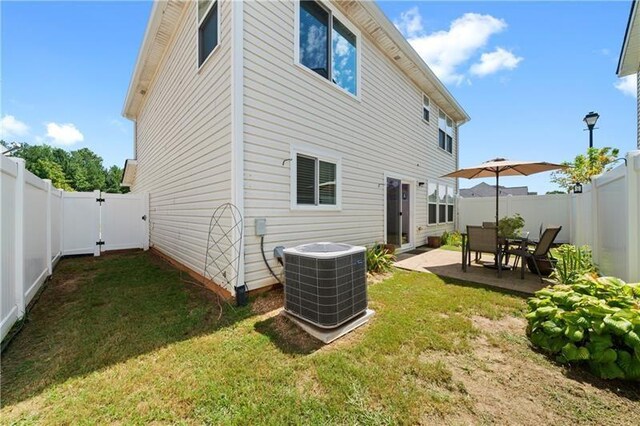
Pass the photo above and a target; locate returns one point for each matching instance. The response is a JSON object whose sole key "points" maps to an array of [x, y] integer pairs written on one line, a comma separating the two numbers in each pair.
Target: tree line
{"points": [[79, 170]]}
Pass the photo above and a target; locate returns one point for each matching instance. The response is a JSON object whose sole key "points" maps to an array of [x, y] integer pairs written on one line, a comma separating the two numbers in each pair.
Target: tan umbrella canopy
{"points": [[502, 167]]}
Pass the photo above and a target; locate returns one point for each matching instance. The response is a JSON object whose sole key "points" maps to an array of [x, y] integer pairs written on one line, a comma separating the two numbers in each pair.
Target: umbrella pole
{"points": [[498, 260]]}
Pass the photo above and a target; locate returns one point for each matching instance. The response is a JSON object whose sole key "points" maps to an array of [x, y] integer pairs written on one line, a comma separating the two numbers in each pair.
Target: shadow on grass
{"points": [[472, 284], [580, 373], [97, 312], [287, 336]]}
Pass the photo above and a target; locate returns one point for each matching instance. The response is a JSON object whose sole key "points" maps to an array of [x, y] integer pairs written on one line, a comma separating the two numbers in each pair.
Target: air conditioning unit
{"points": [[326, 283]]}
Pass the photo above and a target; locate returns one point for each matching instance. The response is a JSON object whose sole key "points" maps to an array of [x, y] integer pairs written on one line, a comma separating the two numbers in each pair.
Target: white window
{"points": [[432, 199], [440, 203], [425, 108], [445, 132], [315, 181], [327, 45], [208, 29], [450, 201]]}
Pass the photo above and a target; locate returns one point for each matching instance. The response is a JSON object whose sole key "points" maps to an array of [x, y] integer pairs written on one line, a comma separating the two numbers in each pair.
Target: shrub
{"points": [[451, 238], [510, 227], [595, 321], [379, 258], [573, 263]]}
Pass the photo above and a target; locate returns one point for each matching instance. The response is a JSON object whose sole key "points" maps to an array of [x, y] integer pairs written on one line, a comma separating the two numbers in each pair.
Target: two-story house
{"points": [[317, 116]]}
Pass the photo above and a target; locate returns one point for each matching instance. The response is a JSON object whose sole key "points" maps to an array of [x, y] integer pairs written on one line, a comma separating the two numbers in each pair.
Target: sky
{"points": [[526, 73]]}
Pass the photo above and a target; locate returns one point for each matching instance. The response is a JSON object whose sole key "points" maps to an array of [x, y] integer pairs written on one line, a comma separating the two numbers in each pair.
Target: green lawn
{"points": [[126, 338]]}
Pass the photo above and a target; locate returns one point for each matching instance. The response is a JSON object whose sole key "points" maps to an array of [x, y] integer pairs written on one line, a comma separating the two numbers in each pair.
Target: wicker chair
{"points": [[480, 240], [539, 254]]}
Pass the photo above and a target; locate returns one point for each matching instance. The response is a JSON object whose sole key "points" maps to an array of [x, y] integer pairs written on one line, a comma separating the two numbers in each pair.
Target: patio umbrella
{"points": [[502, 167]]}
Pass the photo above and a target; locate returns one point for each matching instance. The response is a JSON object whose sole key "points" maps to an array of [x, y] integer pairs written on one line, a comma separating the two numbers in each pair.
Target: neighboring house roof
{"points": [[485, 190], [165, 16], [629, 62]]}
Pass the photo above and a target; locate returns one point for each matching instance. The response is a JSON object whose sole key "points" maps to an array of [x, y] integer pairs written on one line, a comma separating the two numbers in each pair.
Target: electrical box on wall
{"points": [[261, 227]]}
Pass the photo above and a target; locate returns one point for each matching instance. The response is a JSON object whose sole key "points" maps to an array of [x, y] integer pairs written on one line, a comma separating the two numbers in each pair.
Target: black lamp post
{"points": [[591, 120]]}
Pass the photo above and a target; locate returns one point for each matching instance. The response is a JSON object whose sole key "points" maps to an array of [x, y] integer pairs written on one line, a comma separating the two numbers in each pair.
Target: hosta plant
{"points": [[379, 258], [595, 321]]}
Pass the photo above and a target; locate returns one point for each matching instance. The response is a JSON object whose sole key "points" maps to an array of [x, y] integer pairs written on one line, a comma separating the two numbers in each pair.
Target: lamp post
{"points": [[591, 120]]}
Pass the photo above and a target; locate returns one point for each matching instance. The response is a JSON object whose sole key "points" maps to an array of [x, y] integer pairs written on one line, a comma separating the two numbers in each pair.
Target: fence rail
{"points": [[40, 224], [605, 216]]}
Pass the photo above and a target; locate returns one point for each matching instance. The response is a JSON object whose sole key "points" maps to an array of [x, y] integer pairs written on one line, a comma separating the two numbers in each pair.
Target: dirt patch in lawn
{"points": [[268, 302], [509, 383]]}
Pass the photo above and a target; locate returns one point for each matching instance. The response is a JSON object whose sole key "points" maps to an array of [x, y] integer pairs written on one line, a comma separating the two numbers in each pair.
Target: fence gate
{"points": [[95, 222]]}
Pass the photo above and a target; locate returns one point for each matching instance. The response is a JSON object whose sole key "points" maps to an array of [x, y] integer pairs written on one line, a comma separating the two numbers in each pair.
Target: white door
{"points": [[399, 215]]}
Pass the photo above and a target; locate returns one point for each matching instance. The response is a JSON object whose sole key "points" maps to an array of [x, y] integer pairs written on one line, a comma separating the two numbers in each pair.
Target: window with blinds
{"points": [[316, 181]]}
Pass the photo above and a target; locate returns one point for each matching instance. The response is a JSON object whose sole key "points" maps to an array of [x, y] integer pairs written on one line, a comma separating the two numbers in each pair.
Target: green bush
{"points": [[595, 321], [573, 263], [451, 239], [379, 258], [510, 227]]}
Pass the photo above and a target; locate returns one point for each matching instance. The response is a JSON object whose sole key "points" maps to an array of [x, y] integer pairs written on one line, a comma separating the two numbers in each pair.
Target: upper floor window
{"points": [[207, 29], [425, 108], [315, 180], [445, 132], [327, 46]]}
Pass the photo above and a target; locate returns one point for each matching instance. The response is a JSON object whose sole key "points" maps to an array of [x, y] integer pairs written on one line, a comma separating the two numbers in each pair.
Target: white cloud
{"points": [[446, 51], [64, 134], [10, 127], [627, 85], [410, 23], [499, 59]]}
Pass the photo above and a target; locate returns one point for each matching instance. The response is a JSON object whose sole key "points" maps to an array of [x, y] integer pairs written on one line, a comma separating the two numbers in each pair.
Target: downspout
{"points": [[237, 120]]}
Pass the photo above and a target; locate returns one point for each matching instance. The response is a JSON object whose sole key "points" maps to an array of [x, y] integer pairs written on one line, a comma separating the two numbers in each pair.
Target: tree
{"points": [[595, 162], [79, 170], [85, 170], [555, 192], [47, 169], [113, 179]]}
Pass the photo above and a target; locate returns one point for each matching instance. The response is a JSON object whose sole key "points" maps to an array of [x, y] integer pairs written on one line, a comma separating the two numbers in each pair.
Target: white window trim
{"points": [[321, 155], [428, 109], [437, 203], [453, 139], [215, 3], [347, 23]]}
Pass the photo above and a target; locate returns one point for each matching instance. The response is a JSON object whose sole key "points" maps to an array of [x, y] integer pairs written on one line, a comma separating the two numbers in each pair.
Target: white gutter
{"points": [[237, 120]]}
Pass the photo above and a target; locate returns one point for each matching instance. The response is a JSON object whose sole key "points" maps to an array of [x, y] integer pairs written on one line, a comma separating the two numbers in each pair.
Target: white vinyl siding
{"points": [[285, 107], [184, 143]]}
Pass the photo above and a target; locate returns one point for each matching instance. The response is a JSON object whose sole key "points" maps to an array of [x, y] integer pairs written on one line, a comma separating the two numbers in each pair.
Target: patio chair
{"points": [[480, 240], [485, 225], [539, 254]]}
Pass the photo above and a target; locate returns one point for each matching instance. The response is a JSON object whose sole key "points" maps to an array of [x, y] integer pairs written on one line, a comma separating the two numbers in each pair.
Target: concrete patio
{"points": [[448, 263]]}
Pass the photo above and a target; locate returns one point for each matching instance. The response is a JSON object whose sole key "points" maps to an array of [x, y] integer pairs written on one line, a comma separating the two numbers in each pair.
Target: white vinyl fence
{"points": [[39, 224], [605, 216]]}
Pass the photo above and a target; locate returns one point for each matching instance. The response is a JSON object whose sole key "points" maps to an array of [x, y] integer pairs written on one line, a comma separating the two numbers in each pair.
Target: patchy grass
{"points": [[123, 339], [451, 248]]}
